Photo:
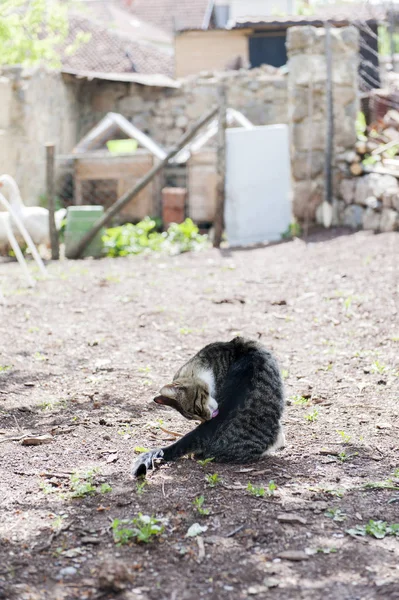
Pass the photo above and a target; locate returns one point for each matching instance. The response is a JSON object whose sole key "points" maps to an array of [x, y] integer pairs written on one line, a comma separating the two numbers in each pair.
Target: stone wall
{"points": [[36, 107], [307, 81], [165, 113], [369, 202]]}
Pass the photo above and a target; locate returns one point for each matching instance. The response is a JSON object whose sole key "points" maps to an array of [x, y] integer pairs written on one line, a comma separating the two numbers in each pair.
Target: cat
{"points": [[235, 389]]}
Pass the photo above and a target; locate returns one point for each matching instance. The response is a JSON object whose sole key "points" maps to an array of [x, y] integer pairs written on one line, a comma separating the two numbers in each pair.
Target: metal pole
{"points": [[50, 161], [221, 169], [330, 119]]}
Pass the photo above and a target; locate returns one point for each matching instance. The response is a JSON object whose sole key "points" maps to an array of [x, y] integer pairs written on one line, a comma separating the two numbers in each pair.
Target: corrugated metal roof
{"points": [[140, 78], [340, 14]]}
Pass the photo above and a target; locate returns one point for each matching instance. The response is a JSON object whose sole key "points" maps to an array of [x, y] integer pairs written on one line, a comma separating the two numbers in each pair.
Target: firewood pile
{"points": [[377, 148]]}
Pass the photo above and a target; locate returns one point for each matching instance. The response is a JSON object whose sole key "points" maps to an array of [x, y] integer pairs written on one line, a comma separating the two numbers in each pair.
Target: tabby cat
{"points": [[236, 391]]}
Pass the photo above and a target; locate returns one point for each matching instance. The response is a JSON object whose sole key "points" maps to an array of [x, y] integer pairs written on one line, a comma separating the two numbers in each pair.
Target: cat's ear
{"points": [[167, 395]]}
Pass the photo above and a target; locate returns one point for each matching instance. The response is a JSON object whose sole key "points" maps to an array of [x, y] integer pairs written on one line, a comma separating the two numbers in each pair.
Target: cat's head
{"points": [[191, 398]]}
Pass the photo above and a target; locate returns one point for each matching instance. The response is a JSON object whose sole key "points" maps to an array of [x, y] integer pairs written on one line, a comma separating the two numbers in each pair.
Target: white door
{"points": [[258, 184]]}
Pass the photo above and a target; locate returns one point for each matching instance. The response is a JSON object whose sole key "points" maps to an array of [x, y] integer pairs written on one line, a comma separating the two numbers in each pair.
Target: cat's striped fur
{"points": [[243, 378]]}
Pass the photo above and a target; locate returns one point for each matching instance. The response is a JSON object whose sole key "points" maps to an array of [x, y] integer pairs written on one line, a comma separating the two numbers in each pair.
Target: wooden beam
{"points": [[50, 158], [141, 184], [221, 169]]}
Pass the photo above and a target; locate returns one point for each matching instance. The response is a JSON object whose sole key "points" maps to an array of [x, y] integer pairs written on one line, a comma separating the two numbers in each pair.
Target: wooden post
{"points": [[50, 159], [221, 169], [141, 184]]}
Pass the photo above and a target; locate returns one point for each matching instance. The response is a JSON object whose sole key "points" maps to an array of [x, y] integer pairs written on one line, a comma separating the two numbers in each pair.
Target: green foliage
{"points": [[143, 237], [377, 529], [258, 492], [140, 529], [213, 480], [140, 487], [204, 462], [105, 488], [361, 126], [271, 487], [384, 41], [344, 436], [299, 400], [294, 230], [336, 514], [34, 31], [5, 368], [313, 416], [83, 484], [198, 505]]}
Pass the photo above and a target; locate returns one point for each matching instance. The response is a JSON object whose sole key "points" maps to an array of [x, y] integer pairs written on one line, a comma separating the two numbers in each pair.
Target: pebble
{"points": [[67, 572]]}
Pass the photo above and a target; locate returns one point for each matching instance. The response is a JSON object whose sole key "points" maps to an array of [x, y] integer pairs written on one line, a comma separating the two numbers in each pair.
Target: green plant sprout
{"points": [[213, 480], [140, 529], [198, 505]]}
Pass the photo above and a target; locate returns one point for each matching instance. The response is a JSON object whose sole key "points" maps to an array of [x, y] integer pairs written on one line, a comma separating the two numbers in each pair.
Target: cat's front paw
{"points": [[145, 462]]}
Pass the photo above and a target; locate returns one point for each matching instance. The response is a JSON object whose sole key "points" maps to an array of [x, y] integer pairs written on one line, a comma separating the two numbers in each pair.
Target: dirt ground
{"points": [[81, 357]]}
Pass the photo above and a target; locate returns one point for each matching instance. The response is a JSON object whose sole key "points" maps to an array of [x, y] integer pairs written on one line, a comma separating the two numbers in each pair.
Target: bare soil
{"points": [[81, 357]]}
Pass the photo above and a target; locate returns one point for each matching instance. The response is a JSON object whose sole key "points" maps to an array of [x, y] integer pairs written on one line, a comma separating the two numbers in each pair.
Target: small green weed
{"points": [[313, 416], [5, 368], [376, 529], [344, 436], [213, 480], [140, 449], [299, 400], [58, 522], [205, 462], [332, 550], [336, 514], [82, 485], [105, 488], [198, 505], [378, 367], [140, 487], [140, 529], [284, 373], [258, 492], [271, 487], [293, 230]]}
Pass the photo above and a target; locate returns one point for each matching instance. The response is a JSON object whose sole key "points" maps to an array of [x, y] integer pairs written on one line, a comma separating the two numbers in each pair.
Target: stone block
{"points": [[300, 165], [389, 220], [371, 219], [390, 196], [307, 197], [309, 134], [375, 185], [304, 68], [353, 216], [347, 190]]}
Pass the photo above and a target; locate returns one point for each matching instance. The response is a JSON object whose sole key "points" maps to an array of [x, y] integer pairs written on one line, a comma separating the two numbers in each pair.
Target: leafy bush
{"points": [[143, 237]]}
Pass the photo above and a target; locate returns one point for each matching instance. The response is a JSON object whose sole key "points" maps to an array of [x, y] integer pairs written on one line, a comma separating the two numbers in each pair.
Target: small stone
{"points": [[29, 384], [106, 436], [294, 555], [67, 572], [37, 440], [389, 220], [291, 518], [271, 582], [372, 202], [353, 216], [371, 219], [256, 589], [347, 190]]}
